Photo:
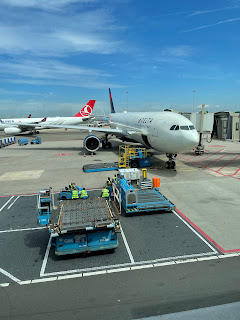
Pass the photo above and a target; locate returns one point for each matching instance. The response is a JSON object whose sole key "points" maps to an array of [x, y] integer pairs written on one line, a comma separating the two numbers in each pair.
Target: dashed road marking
{"points": [[13, 202]]}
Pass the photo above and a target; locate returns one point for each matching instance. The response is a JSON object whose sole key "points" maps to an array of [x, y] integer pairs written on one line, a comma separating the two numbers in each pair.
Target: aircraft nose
{"points": [[191, 140]]}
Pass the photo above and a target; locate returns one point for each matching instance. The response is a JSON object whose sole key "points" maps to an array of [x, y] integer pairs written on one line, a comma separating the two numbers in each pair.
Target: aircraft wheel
{"points": [[134, 164], [168, 165], [37, 132], [173, 165]]}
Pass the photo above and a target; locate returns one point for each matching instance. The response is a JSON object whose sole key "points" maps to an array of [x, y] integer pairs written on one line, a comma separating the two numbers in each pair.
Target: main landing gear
{"points": [[171, 164], [105, 142]]}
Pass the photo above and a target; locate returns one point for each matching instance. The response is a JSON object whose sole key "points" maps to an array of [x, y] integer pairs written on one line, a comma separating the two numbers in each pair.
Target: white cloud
{"points": [[43, 4]]}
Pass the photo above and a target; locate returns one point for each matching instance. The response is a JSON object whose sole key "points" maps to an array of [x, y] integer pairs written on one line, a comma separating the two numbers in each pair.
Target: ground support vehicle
{"points": [[22, 141], [37, 140], [45, 203], [66, 194], [82, 226], [133, 157], [134, 200]]}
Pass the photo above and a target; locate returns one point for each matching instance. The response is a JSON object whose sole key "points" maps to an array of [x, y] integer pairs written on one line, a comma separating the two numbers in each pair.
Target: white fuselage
{"points": [[9, 123], [156, 127]]}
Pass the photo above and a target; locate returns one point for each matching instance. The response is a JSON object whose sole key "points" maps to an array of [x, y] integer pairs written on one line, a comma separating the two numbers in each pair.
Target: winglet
{"points": [[86, 110], [111, 102], [29, 116]]}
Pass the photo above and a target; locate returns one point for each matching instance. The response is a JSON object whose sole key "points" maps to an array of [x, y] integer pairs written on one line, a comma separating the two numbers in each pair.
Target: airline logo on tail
{"points": [[86, 110], [111, 102]]}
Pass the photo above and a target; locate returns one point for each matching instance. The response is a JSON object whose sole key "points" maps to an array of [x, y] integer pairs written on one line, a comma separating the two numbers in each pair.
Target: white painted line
{"points": [[186, 261], [70, 276], [9, 275], [27, 229], [208, 258], [44, 264], [4, 284], [141, 263], [126, 245], [193, 230], [142, 267], [229, 255], [25, 282], [44, 280], [6, 203], [164, 264], [13, 203], [119, 270], [87, 274]]}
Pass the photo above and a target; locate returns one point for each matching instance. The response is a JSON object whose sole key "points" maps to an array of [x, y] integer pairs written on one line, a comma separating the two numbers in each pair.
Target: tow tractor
{"points": [[82, 226], [66, 194], [134, 200], [37, 140], [45, 203]]}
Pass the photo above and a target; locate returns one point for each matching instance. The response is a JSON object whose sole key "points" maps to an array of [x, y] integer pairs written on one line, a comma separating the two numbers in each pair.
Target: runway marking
{"points": [[6, 203], [44, 264], [126, 245], [193, 230], [13, 203], [26, 229], [9, 275], [215, 160], [228, 163], [208, 156]]}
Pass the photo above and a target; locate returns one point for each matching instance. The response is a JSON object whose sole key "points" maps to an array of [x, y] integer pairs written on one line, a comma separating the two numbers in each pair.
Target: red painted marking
{"points": [[205, 235], [215, 160], [236, 172], [228, 163], [210, 155]]}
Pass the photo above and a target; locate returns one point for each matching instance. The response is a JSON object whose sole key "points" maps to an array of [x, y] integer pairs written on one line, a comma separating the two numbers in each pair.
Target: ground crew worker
{"points": [[109, 184], [105, 193], [114, 179], [75, 194], [71, 186], [84, 194]]}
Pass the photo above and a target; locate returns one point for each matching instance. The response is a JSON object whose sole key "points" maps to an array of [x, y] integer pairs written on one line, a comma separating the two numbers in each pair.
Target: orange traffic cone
{"points": [[84, 154]]}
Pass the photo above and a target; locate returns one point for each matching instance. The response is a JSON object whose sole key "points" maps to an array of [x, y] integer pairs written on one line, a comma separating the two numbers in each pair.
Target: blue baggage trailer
{"points": [[45, 203], [133, 200], [22, 141], [83, 226]]}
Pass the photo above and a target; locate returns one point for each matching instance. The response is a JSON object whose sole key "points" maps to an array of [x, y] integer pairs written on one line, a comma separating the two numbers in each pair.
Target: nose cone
{"points": [[191, 140]]}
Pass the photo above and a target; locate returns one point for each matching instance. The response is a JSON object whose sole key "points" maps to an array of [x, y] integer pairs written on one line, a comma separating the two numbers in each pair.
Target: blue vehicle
{"points": [[133, 200], [45, 202], [22, 141], [37, 140], [83, 226], [66, 194]]}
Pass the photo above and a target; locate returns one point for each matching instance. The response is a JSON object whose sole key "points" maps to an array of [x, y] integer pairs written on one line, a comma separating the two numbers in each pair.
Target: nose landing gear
{"points": [[171, 164]]}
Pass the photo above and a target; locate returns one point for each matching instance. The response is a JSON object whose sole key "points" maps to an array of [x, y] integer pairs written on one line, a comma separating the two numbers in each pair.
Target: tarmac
{"points": [[205, 224]]}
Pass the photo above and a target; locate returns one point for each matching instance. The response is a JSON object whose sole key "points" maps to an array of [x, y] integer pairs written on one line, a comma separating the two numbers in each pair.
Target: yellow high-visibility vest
{"points": [[74, 194], [105, 193], [83, 194]]}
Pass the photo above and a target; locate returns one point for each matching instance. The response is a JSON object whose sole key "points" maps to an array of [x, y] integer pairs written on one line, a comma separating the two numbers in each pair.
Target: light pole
{"points": [[193, 99], [127, 100]]}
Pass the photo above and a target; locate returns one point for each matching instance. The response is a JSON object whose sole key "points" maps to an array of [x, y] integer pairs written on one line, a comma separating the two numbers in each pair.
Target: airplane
{"points": [[15, 126], [166, 132]]}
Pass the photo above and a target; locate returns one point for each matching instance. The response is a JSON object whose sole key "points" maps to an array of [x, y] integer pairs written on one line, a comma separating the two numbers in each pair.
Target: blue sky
{"points": [[55, 55]]}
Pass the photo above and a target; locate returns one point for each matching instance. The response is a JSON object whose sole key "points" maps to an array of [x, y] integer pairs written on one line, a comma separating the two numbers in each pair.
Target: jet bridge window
{"points": [[191, 127], [173, 127], [184, 128]]}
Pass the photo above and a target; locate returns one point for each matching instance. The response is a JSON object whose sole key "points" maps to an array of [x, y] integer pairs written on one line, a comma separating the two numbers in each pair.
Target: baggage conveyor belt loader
{"points": [[81, 226]]}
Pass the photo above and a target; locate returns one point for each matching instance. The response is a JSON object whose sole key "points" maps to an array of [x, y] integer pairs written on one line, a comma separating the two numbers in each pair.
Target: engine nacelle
{"points": [[13, 130], [91, 143]]}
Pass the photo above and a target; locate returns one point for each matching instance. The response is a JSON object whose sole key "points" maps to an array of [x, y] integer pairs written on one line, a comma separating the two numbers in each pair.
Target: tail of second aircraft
{"points": [[86, 110], [111, 102]]}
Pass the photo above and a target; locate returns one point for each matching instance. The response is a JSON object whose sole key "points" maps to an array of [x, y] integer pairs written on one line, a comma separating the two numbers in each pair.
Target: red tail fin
{"points": [[29, 116], [86, 110]]}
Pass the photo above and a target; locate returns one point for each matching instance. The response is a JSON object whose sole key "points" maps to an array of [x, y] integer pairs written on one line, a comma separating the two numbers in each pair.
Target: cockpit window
{"points": [[177, 128], [184, 127], [192, 127], [173, 127]]}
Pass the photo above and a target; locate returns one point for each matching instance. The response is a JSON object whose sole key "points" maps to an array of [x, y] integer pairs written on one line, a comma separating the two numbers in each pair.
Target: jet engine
{"points": [[12, 130], [91, 143]]}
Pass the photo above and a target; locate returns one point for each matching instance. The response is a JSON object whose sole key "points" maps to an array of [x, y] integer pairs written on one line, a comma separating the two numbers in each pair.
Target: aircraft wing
{"points": [[116, 132]]}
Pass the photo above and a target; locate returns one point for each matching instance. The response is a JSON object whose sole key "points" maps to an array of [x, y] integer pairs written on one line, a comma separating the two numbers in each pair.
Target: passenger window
{"points": [[173, 127], [177, 128], [184, 128]]}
